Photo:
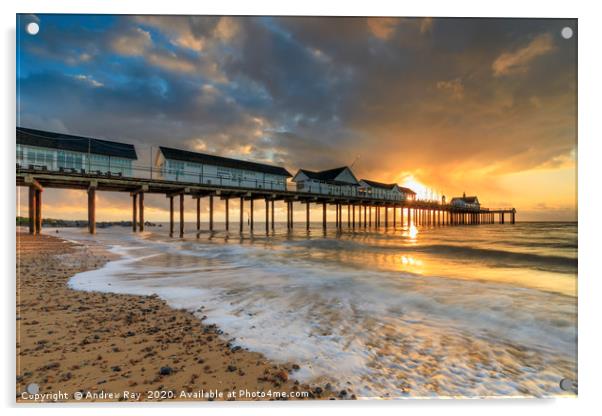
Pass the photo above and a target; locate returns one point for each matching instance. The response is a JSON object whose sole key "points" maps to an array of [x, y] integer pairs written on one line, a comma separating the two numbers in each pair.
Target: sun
{"points": [[423, 192]]}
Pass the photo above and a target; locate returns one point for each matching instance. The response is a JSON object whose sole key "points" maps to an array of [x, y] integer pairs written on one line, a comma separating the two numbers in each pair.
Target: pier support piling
{"points": [[267, 216], [198, 215], [252, 218], [210, 212], [32, 210], [182, 215], [141, 210], [324, 215], [307, 216], [386, 216], [241, 214], [92, 210], [134, 211], [227, 212], [170, 216]]}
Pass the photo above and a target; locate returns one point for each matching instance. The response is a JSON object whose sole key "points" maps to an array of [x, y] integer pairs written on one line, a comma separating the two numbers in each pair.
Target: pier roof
{"points": [[406, 190], [329, 175], [203, 158], [467, 199], [61, 141], [381, 185]]}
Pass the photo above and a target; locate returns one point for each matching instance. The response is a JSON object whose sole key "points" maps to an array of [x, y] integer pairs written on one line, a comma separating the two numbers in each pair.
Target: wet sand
{"points": [[90, 344]]}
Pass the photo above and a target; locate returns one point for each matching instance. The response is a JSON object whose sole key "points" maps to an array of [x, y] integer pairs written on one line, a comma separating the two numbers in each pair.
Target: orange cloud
{"points": [[382, 27], [134, 43], [518, 61]]}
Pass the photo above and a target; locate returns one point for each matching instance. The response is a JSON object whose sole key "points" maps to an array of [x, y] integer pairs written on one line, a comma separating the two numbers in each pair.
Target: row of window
{"points": [[192, 172], [329, 189], [64, 159]]}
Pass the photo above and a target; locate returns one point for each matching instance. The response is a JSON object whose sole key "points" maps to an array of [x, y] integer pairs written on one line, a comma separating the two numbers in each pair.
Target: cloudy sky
{"points": [[486, 106]]}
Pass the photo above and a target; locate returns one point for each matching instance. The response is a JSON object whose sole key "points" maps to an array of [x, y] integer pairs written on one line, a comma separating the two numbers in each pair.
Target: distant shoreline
{"points": [[58, 223]]}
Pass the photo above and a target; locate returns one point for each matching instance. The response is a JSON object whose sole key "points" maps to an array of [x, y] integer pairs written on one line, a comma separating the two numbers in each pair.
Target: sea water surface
{"points": [[487, 310]]}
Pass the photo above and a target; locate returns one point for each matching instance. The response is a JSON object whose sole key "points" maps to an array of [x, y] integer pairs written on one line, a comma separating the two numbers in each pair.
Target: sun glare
{"points": [[422, 191]]}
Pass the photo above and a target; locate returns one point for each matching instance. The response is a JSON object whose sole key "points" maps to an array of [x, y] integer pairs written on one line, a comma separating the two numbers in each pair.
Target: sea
{"points": [[444, 311]]}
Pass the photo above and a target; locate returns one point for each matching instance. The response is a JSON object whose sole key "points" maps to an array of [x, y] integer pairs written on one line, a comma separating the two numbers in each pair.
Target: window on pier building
{"points": [[223, 173], [20, 154], [120, 166], [39, 157], [176, 168], [70, 160], [98, 163]]}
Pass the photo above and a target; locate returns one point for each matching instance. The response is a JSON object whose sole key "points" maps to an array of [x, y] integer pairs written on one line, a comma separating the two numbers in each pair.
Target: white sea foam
{"points": [[389, 333]]}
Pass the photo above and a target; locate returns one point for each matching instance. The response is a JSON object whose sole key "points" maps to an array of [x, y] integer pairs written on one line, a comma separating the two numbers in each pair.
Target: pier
{"points": [[351, 212]]}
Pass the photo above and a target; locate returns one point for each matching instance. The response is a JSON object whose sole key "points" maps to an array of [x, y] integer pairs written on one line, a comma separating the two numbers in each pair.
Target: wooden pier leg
{"points": [[394, 216], [272, 219], [227, 212], [267, 216], [38, 211], [210, 212], [198, 214], [181, 215], [307, 216], [386, 216], [324, 215], [241, 214], [92, 210], [134, 211], [141, 210], [353, 220], [32, 210], [288, 215], [513, 217], [401, 216], [292, 214], [252, 219], [170, 216]]}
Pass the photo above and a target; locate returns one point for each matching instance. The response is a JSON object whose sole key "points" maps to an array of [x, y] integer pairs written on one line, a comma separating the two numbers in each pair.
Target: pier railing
{"points": [[105, 170]]}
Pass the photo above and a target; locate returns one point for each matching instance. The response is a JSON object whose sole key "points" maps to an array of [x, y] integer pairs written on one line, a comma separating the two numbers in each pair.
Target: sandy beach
{"points": [[97, 346]]}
